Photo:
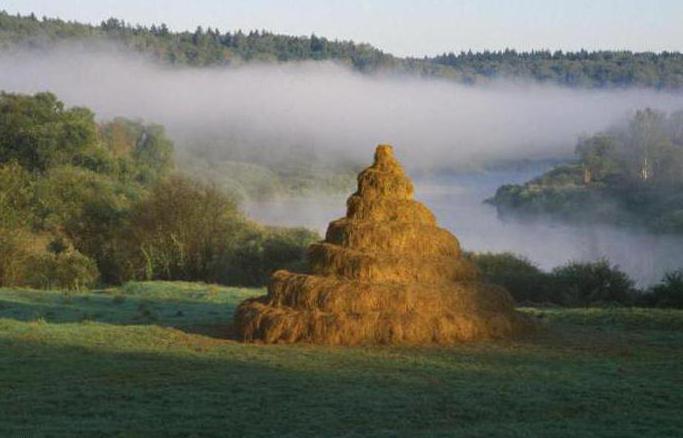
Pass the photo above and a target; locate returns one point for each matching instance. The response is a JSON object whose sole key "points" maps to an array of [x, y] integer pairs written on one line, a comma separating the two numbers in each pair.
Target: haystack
{"points": [[386, 274]]}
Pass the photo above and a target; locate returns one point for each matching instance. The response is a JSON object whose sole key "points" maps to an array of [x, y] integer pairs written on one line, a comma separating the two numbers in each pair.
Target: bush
{"points": [[71, 271], [668, 293], [263, 252], [186, 230], [181, 228], [286, 248], [592, 283], [524, 280], [573, 284], [13, 256]]}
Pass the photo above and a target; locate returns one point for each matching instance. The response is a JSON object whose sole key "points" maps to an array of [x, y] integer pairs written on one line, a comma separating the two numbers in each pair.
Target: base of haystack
{"points": [[260, 322], [322, 310]]}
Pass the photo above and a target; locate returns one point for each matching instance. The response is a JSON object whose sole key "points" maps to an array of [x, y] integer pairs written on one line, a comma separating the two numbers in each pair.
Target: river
{"points": [[457, 202]]}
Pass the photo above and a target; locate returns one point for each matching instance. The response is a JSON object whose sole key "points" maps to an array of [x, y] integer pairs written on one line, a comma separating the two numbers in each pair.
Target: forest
{"points": [[210, 46], [631, 175]]}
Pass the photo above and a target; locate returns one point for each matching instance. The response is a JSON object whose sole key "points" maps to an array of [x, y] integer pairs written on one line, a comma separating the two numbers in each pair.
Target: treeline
{"points": [[212, 46], [597, 69], [199, 48], [577, 284], [83, 203], [631, 174]]}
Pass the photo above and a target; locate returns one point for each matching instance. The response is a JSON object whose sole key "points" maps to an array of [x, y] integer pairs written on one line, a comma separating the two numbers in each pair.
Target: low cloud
{"points": [[326, 108]]}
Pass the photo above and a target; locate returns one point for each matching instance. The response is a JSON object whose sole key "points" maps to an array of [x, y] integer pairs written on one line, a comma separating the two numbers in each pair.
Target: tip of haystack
{"points": [[383, 153]]}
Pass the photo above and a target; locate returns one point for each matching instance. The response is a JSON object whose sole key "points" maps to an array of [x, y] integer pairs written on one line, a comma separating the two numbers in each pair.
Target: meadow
{"points": [[154, 358]]}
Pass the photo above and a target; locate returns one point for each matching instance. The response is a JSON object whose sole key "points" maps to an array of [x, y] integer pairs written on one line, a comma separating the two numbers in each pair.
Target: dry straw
{"points": [[384, 274]]}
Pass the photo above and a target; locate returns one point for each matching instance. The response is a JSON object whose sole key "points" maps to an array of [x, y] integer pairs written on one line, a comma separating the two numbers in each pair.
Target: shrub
{"points": [[72, 271], [592, 283], [13, 256], [524, 280], [668, 293], [92, 211], [16, 196], [39, 132], [186, 230], [286, 248], [181, 228], [262, 252]]}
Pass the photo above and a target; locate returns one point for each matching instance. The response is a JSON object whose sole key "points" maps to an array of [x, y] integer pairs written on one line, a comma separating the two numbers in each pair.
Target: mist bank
{"points": [[323, 111], [456, 200]]}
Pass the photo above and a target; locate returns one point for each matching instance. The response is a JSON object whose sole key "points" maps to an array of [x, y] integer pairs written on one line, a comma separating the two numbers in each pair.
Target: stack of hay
{"points": [[384, 274]]}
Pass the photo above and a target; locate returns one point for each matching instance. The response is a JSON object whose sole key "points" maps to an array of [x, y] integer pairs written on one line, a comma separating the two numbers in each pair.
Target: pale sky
{"points": [[402, 27]]}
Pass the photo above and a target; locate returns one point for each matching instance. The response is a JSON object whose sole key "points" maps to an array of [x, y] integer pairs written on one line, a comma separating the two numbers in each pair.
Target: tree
{"points": [[584, 284], [598, 155], [646, 143], [181, 228], [38, 132]]}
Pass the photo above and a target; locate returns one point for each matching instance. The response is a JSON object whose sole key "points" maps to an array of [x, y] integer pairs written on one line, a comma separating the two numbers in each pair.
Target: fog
{"points": [[456, 200], [327, 109], [265, 112]]}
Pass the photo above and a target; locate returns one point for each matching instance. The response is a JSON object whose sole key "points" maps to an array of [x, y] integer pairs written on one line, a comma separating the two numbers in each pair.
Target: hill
{"points": [[205, 47]]}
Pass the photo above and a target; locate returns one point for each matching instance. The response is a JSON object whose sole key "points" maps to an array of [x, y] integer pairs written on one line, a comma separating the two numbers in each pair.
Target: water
{"points": [[456, 200]]}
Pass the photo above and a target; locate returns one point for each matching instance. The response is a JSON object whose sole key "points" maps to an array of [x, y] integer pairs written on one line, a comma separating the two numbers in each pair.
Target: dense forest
{"points": [[631, 174], [85, 203], [216, 47]]}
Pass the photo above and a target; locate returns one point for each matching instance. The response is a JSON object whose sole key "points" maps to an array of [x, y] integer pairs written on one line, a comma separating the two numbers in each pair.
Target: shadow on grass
{"points": [[193, 316], [166, 385]]}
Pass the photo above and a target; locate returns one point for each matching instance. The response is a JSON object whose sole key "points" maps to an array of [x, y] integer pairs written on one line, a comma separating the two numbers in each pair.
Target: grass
{"points": [[153, 359]]}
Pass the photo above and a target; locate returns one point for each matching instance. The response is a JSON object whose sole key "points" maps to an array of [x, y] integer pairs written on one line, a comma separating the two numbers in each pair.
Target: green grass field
{"points": [[154, 359]]}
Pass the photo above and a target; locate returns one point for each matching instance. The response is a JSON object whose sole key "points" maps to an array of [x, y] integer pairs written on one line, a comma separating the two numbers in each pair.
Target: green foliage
{"points": [[597, 69], [199, 48], [524, 280], [186, 230], [575, 284], [205, 47], [262, 252], [81, 201], [38, 132], [585, 284], [181, 228], [29, 259], [143, 152], [14, 254], [70, 271], [16, 196], [632, 175], [62, 180], [598, 156]]}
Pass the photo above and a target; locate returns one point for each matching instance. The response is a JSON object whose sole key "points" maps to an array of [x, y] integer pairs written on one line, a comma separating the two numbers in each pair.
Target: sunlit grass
{"points": [[153, 358]]}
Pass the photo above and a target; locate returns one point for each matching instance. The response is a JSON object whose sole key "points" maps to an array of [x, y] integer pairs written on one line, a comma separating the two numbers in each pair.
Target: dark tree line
{"points": [[199, 48], [212, 46], [577, 284], [596, 69]]}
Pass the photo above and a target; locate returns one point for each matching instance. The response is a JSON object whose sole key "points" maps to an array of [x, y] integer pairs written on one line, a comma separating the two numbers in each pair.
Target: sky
{"points": [[407, 28]]}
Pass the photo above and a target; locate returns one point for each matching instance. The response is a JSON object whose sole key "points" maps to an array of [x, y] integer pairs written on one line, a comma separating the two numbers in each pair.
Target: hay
{"points": [[392, 237], [381, 210], [327, 259], [384, 274]]}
